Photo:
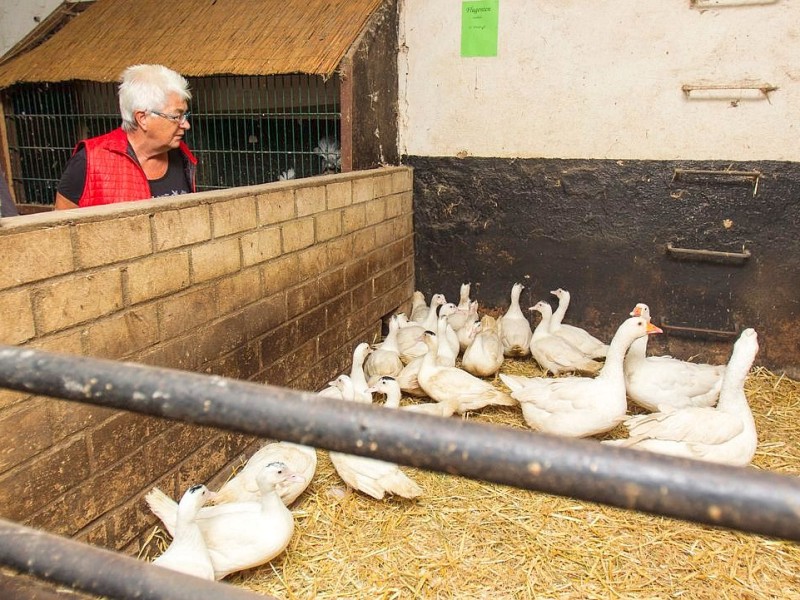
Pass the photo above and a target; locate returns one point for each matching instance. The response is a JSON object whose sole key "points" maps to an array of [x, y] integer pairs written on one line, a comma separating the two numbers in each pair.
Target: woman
{"points": [[144, 158]]}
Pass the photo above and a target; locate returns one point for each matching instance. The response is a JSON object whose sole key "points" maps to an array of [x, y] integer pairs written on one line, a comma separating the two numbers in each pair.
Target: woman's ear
{"points": [[140, 116]]}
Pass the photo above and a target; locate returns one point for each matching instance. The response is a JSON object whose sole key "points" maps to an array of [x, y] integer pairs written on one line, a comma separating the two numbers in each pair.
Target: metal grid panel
{"points": [[245, 130]]}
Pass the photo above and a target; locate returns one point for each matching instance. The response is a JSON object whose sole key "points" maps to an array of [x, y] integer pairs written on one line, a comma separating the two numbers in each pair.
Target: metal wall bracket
{"points": [[698, 332], [714, 256], [763, 88], [733, 93], [684, 174], [706, 4]]}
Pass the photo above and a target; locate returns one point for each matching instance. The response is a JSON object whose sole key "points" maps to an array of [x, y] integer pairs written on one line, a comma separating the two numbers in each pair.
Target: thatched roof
{"points": [[196, 38]]}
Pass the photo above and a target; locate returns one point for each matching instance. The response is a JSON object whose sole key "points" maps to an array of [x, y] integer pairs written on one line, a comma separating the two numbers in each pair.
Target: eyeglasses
{"points": [[179, 119]]}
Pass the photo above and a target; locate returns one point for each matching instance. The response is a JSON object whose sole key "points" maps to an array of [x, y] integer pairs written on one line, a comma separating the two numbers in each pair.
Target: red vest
{"points": [[112, 175]]}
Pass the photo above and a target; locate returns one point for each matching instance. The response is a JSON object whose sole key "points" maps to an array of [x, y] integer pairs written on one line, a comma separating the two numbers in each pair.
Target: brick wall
{"points": [[274, 283]]}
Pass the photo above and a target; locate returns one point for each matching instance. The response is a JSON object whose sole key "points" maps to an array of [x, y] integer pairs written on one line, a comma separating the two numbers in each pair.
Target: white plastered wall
{"points": [[582, 79], [19, 17]]}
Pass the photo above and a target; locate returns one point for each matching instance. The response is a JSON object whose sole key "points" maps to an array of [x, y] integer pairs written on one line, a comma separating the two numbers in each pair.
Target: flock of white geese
{"points": [[453, 356]]}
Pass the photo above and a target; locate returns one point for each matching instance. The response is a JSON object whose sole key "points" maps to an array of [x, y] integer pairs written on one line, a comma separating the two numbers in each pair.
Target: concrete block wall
{"points": [[274, 283]]}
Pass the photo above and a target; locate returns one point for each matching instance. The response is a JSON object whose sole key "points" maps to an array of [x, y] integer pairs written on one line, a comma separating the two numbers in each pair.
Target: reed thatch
{"points": [[196, 38], [469, 539]]}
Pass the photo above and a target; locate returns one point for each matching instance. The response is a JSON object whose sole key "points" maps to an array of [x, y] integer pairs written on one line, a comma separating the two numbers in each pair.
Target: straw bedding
{"points": [[470, 539]]}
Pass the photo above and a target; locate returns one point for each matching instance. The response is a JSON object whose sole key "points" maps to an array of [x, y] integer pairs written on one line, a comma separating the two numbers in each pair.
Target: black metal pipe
{"points": [[737, 498], [103, 572]]}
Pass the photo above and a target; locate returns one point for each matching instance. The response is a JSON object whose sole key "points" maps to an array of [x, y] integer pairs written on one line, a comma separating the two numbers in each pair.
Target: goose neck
{"points": [[615, 358]]}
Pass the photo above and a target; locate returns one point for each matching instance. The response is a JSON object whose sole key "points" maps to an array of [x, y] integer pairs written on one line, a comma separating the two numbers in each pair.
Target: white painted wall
{"points": [[582, 79], [19, 17]]}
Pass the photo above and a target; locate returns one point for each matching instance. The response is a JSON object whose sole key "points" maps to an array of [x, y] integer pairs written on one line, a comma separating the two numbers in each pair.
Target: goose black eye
{"points": [[277, 466]]}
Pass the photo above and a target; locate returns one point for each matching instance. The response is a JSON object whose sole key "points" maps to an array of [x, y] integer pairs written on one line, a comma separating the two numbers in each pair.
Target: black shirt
{"points": [[173, 182]]}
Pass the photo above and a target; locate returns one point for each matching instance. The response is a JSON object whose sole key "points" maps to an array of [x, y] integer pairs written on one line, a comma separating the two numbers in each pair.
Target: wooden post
{"points": [[5, 157], [346, 94]]}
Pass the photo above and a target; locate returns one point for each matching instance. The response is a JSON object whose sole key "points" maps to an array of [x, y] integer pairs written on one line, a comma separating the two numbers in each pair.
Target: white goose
{"points": [[580, 338], [357, 376], [188, 552], [391, 389], [455, 386], [239, 535], [344, 384], [657, 382], [243, 487], [407, 379], [374, 477], [385, 359], [409, 342], [514, 328], [371, 476], [484, 356], [459, 318], [446, 354], [465, 334], [554, 353], [725, 434], [580, 406], [445, 408], [419, 309]]}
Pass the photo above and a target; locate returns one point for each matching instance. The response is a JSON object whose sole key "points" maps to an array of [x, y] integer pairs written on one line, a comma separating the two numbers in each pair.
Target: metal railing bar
{"points": [[745, 499], [103, 572]]}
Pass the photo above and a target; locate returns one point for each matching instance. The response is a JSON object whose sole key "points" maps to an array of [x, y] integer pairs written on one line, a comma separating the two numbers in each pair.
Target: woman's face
{"points": [[167, 126]]}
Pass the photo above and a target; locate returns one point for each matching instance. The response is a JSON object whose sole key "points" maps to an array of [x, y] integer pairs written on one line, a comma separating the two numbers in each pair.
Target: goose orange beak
{"points": [[653, 329]]}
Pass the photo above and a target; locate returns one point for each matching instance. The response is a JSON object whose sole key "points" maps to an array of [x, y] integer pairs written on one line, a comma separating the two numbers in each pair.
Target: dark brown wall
{"points": [[375, 92], [600, 229]]}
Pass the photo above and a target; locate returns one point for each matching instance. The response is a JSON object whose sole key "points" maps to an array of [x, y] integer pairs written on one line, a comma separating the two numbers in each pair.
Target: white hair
{"points": [[146, 87]]}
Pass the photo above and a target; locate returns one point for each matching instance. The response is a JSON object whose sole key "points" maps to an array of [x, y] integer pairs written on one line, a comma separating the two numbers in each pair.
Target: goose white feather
{"points": [[725, 434], [580, 338], [465, 334], [580, 406], [330, 153], [445, 408], [385, 359], [484, 356], [419, 309], [239, 535], [373, 477], [657, 381], [554, 353], [409, 340], [188, 552], [243, 487], [345, 385], [455, 386], [408, 378], [459, 318], [391, 389], [357, 376], [446, 354], [514, 327]]}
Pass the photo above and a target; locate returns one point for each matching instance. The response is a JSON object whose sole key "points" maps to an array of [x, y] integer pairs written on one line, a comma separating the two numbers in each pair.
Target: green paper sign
{"points": [[479, 27]]}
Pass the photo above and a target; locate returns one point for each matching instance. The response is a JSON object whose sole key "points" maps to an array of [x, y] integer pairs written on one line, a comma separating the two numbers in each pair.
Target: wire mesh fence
{"points": [[245, 130]]}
